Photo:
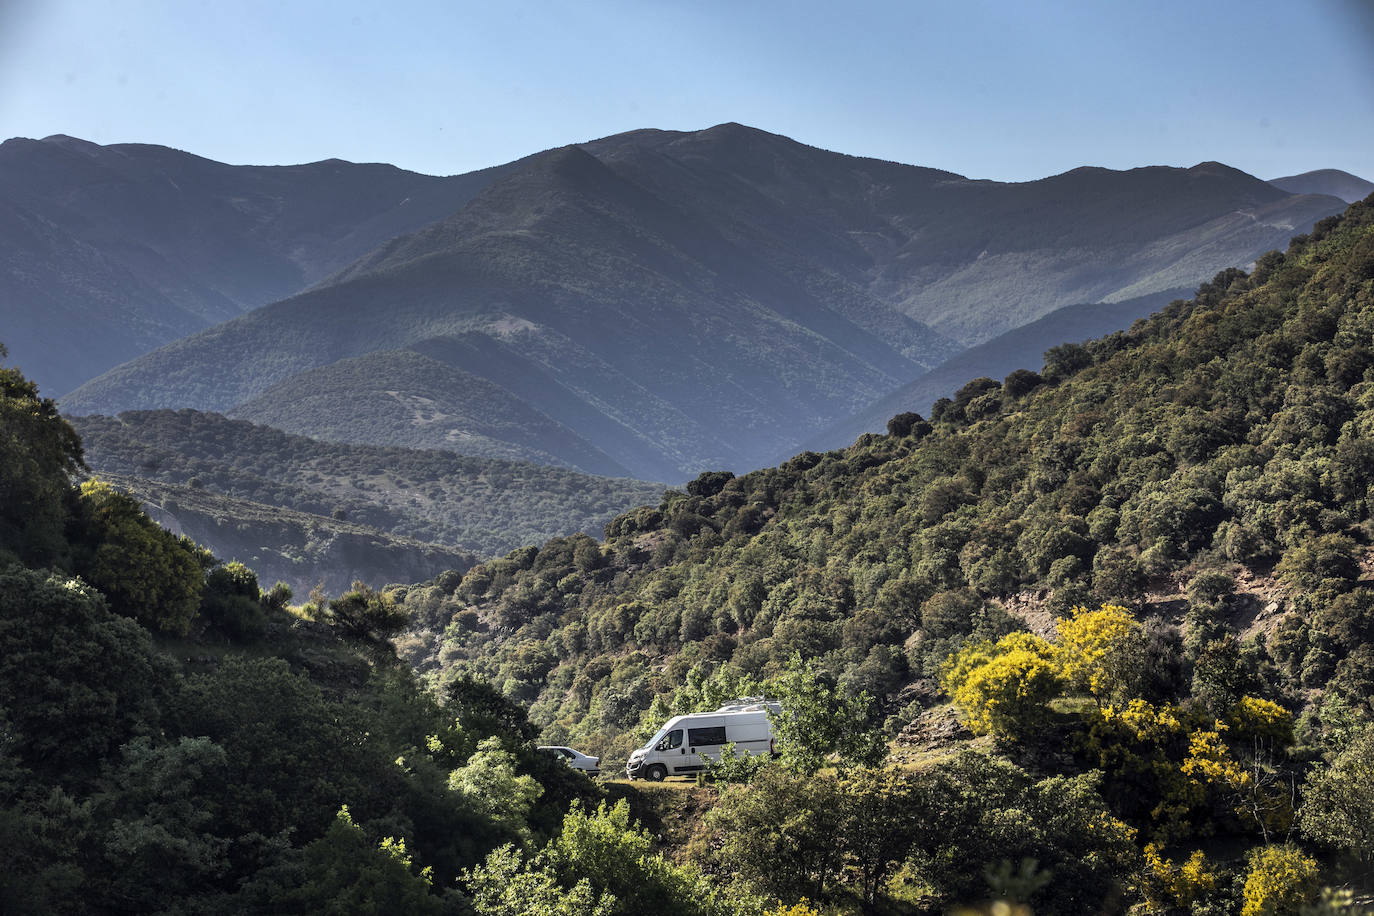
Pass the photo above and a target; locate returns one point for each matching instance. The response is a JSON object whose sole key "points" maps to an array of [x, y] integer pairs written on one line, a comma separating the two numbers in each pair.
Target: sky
{"points": [[1010, 90]]}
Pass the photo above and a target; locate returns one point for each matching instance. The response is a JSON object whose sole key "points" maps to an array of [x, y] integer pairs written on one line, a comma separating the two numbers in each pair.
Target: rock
{"points": [[934, 728]]}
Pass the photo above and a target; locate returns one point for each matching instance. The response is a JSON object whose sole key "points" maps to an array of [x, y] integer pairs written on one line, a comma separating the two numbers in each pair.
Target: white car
{"points": [[575, 759]]}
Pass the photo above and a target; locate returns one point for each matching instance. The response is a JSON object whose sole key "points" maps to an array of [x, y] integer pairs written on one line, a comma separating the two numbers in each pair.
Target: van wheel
{"points": [[656, 773]]}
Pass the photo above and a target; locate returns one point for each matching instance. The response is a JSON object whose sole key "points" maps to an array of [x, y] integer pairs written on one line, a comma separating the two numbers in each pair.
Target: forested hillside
{"points": [[176, 739], [484, 506], [302, 549], [1203, 479], [1016, 349]]}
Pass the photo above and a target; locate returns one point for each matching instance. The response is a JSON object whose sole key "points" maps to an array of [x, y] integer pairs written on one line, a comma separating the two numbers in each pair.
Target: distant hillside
{"points": [[1021, 348], [109, 251], [1333, 182], [476, 505], [284, 545], [686, 301], [399, 397]]}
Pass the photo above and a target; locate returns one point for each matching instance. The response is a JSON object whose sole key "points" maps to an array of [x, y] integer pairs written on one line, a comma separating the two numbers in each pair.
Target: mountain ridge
{"points": [[716, 297], [191, 241], [1334, 182]]}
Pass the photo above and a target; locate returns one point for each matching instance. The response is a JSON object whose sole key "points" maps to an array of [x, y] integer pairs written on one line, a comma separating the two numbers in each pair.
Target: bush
{"points": [[1280, 879]]}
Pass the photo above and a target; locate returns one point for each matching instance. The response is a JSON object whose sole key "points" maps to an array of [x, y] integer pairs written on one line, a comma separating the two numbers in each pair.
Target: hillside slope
{"points": [[284, 545], [1020, 348], [712, 299], [478, 505], [107, 252], [1226, 434], [406, 399]]}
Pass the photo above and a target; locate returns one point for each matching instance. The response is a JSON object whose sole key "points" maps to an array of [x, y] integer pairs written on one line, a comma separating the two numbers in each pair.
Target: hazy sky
{"points": [[1010, 90]]}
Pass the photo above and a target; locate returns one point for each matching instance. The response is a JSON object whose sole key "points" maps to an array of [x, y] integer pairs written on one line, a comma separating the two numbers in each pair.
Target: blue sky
{"points": [[989, 89]]}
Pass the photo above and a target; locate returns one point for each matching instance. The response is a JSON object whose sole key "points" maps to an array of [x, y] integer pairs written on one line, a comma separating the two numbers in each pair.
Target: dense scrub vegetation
{"points": [[482, 505], [175, 739], [1165, 470]]}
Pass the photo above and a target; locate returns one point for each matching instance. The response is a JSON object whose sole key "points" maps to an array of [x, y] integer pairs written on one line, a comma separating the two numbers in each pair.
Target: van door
{"points": [[704, 743], [750, 734], [671, 751]]}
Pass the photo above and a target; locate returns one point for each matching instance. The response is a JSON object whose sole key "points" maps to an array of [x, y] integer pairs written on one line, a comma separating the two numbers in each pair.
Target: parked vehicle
{"points": [[575, 759], [689, 744]]}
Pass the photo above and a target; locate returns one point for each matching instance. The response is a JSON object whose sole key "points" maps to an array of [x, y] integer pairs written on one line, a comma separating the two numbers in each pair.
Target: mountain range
{"points": [[658, 302], [107, 252]]}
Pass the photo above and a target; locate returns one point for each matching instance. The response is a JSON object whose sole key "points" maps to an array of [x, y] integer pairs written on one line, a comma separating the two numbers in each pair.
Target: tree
{"points": [[232, 602], [39, 453], [291, 754], [1338, 808], [145, 571], [950, 613], [606, 850], [483, 710], [1064, 360], [878, 825], [780, 833], [1003, 688], [1279, 880], [76, 681], [346, 875], [1102, 652], [489, 783], [908, 424], [709, 483], [366, 615], [980, 814], [508, 885], [162, 843], [1323, 567], [1021, 383], [820, 719]]}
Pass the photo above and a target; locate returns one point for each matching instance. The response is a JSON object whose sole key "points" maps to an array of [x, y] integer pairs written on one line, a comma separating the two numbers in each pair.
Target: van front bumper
{"points": [[634, 769]]}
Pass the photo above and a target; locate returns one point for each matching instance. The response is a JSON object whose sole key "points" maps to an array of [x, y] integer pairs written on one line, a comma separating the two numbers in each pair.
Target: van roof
{"points": [[715, 714]]}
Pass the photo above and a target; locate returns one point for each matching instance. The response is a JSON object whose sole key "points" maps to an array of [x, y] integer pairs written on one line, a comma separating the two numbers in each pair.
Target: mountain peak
{"points": [[1212, 167], [574, 166], [75, 144], [1333, 182]]}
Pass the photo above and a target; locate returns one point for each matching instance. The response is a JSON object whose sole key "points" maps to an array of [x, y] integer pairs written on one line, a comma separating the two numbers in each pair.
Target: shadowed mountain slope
{"points": [[713, 299], [1021, 348], [403, 398], [109, 251], [286, 545]]}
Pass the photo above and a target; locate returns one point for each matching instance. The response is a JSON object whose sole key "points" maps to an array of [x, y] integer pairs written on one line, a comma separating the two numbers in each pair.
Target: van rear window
{"points": [[710, 737]]}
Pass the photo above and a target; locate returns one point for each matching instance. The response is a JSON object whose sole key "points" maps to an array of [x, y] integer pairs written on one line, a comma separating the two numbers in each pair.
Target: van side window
{"points": [[671, 740], [709, 737]]}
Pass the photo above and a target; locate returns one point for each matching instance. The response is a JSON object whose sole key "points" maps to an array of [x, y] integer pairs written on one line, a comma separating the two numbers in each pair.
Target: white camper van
{"points": [[687, 744]]}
